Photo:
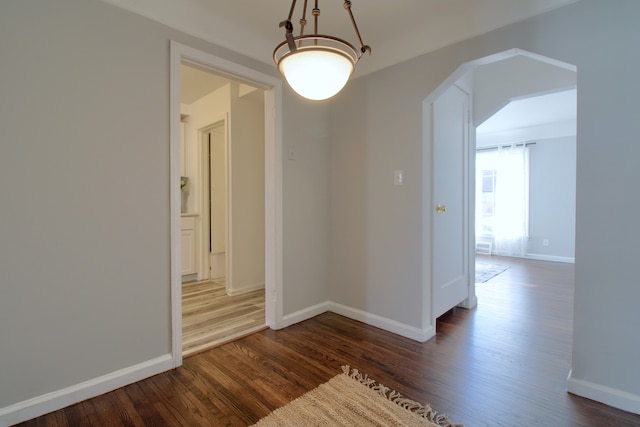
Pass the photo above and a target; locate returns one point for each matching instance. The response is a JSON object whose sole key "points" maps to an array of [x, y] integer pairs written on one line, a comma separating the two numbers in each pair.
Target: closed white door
{"points": [[450, 200]]}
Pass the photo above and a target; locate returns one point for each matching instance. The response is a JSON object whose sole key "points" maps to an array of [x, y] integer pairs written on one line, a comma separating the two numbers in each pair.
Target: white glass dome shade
{"points": [[316, 67], [316, 73]]}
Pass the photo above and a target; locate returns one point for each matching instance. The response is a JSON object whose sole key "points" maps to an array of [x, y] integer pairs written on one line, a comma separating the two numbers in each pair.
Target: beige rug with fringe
{"points": [[354, 399]]}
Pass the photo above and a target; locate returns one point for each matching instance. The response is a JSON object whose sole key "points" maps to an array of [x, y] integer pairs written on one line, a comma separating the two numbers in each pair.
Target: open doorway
{"points": [[244, 85], [526, 174], [492, 83], [222, 149]]}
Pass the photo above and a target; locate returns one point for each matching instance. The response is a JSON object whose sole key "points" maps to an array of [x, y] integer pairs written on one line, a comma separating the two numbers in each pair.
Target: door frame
{"points": [[205, 166], [428, 204], [273, 182]]}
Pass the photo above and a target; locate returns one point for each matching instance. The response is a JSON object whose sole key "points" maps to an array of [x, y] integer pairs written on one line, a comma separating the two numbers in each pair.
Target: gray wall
{"points": [[518, 77], [84, 184], [306, 204], [246, 174], [376, 251], [552, 198]]}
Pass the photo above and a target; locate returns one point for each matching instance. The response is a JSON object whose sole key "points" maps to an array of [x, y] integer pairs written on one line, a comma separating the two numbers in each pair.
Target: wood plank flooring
{"points": [[504, 363], [210, 317]]}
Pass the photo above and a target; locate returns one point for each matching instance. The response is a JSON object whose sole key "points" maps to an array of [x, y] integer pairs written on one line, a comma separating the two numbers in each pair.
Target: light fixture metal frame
{"points": [[317, 42]]}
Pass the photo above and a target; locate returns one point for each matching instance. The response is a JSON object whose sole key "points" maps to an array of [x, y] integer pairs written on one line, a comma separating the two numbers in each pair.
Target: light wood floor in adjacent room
{"points": [[210, 317], [504, 363]]}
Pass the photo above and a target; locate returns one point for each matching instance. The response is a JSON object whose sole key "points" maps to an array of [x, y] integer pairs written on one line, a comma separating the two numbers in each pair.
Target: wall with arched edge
{"points": [[377, 252]]}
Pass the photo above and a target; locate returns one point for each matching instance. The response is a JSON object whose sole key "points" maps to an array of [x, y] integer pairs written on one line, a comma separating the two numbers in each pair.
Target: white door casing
{"points": [[218, 202], [450, 200], [273, 183]]}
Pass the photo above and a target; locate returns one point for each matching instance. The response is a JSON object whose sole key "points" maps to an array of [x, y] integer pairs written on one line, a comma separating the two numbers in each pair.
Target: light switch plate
{"points": [[398, 177]]}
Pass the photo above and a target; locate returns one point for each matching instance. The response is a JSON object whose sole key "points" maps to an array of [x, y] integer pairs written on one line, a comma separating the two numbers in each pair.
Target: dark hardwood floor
{"points": [[504, 363]]}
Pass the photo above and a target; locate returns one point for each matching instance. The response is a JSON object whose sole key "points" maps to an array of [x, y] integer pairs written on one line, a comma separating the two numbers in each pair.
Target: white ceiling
{"points": [[397, 30], [531, 112], [536, 118], [418, 26]]}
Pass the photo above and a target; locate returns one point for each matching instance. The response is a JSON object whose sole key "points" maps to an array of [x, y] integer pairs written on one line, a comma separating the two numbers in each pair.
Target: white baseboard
{"points": [[402, 329], [553, 258], [190, 278], [469, 303], [50, 402], [609, 396], [245, 289], [389, 325], [32, 408], [304, 314]]}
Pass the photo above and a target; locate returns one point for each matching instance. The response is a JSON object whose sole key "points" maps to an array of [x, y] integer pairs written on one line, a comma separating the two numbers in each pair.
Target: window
{"points": [[502, 198], [487, 202]]}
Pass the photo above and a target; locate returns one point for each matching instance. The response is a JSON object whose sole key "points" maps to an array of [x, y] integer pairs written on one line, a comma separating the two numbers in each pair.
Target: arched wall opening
{"points": [[545, 75]]}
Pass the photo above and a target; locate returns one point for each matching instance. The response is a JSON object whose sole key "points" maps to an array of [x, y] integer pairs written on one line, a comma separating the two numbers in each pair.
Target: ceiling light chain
{"points": [[320, 65], [363, 48], [303, 21], [316, 15]]}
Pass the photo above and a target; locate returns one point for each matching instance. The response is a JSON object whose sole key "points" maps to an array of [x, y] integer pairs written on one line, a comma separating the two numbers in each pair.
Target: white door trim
{"points": [[205, 214], [273, 182]]}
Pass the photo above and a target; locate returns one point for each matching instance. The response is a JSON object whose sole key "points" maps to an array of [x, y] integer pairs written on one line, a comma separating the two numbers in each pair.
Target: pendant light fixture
{"points": [[316, 66]]}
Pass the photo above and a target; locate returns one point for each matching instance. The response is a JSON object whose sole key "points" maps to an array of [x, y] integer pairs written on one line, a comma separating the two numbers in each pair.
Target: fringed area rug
{"points": [[354, 399], [485, 272]]}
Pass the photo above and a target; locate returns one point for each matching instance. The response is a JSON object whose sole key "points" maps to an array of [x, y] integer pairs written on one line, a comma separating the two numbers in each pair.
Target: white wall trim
{"points": [[59, 399], [273, 202], [554, 258], [609, 396], [273, 181], [175, 200], [389, 325], [305, 314], [470, 302], [371, 319], [190, 278], [203, 196], [246, 289]]}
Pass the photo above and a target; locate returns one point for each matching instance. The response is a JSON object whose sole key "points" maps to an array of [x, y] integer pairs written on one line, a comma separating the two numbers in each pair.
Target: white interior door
{"points": [[450, 200]]}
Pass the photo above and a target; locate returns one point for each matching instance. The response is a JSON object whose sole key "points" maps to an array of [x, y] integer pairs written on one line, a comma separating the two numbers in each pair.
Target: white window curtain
{"points": [[502, 199], [511, 231]]}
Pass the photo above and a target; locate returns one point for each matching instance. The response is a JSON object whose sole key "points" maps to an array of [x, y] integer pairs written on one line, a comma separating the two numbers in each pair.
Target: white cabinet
{"points": [[189, 245]]}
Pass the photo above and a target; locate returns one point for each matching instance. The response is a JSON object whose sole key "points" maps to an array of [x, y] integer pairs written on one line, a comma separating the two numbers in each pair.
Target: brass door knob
{"points": [[441, 208]]}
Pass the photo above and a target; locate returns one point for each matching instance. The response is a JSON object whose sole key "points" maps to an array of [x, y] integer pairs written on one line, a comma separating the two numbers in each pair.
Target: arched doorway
{"points": [[486, 101]]}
